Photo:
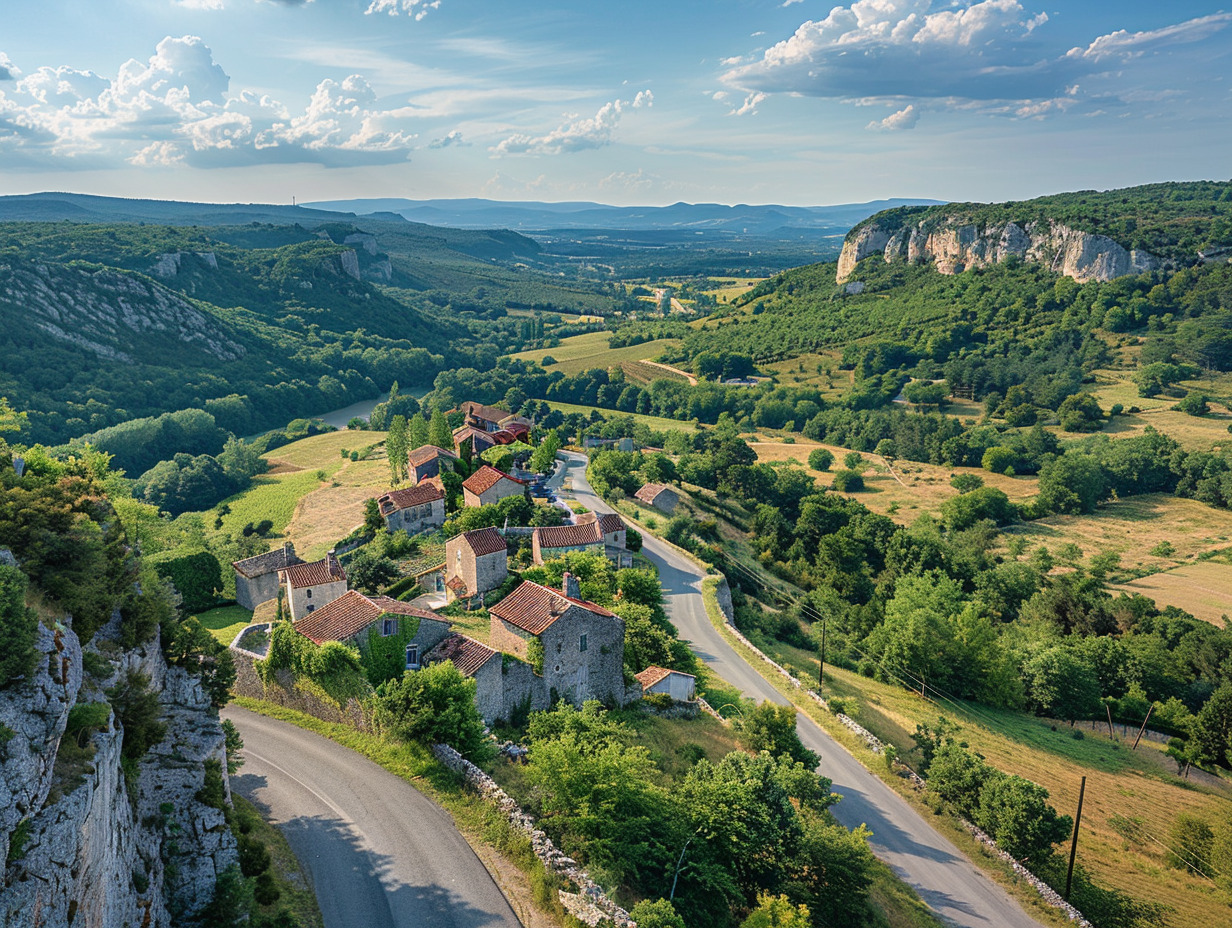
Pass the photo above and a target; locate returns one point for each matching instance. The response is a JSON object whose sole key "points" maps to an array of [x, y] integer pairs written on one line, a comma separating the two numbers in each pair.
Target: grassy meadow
{"points": [[584, 352], [1203, 589]]}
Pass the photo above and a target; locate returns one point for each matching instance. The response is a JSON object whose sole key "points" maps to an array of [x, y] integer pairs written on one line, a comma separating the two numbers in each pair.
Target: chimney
{"points": [[570, 586], [331, 560]]}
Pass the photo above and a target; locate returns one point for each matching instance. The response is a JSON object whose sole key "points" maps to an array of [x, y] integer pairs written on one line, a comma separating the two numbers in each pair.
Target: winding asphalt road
{"points": [[379, 854], [946, 880]]}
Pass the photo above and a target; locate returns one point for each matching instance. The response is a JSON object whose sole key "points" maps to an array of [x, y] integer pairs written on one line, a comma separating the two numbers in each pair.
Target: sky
{"points": [[638, 102]]}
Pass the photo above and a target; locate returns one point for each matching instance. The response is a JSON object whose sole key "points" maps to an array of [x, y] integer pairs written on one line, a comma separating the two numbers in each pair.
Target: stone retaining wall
{"points": [[286, 691], [590, 904], [1047, 893]]}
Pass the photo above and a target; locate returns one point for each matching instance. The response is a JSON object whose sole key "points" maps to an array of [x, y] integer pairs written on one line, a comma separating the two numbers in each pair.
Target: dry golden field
{"points": [[1203, 589]]}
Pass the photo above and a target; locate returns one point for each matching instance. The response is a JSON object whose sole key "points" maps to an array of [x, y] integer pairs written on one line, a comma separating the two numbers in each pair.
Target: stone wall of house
{"points": [[594, 673], [284, 690], [490, 571], [416, 519], [505, 636], [315, 597], [250, 592]]}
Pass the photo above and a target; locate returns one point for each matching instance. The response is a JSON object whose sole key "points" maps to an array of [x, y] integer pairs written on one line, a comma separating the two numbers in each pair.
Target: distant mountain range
{"points": [[534, 216], [80, 207]]}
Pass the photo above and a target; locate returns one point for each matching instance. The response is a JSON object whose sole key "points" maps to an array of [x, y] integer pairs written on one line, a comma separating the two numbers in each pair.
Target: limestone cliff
{"points": [[82, 849], [953, 246], [107, 311]]}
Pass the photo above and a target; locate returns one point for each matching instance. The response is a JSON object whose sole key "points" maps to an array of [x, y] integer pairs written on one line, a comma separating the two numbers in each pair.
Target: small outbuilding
{"points": [[661, 497], [681, 686], [475, 563], [310, 586], [489, 485]]}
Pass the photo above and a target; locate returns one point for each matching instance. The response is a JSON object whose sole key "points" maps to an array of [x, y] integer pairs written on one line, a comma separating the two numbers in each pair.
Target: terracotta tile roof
{"points": [[351, 613], [470, 433], [568, 536], [429, 570], [425, 453], [485, 413], [648, 493], [485, 478], [485, 541], [424, 492], [610, 522], [652, 675], [534, 608], [261, 564], [314, 574], [467, 654]]}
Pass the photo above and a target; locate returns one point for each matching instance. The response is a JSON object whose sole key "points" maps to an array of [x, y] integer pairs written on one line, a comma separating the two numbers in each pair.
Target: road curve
{"points": [[378, 853], [945, 879]]}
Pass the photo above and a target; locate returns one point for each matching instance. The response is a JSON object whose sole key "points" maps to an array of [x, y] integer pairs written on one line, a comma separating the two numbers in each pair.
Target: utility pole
{"points": [[1073, 847], [1143, 728], [1108, 708], [821, 669]]}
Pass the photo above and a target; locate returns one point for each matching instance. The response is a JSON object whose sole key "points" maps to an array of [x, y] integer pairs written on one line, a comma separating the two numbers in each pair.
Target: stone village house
{"points": [[308, 587], [361, 621], [475, 563], [677, 684], [415, 509], [604, 534], [566, 648], [257, 578], [426, 461], [661, 497], [489, 485]]}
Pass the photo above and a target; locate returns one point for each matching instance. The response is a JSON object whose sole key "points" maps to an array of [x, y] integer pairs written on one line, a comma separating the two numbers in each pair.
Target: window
{"points": [[582, 646], [387, 627], [412, 656], [308, 593], [310, 608]]}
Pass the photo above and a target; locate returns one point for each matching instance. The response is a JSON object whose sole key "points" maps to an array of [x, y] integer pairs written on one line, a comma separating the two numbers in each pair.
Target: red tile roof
{"points": [[609, 522], [652, 675], [425, 453], [568, 536], [648, 493], [351, 613], [395, 500], [534, 608], [467, 654], [485, 478], [470, 433], [485, 413], [485, 541], [314, 574]]}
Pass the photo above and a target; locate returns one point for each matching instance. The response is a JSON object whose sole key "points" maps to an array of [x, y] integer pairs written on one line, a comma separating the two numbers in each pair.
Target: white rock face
{"points": [[94, 856], [954, 248]]}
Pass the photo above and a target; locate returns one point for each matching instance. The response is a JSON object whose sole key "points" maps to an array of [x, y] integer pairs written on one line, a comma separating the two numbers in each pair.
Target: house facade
{"points": [[549, 541], [475, 563], [375, 625], [420, 508], [308, 587], [661, 497], [494, 419], [256, 578], [427, 461], [479, 440], [488, 485], [681, 686], [575, 648]]}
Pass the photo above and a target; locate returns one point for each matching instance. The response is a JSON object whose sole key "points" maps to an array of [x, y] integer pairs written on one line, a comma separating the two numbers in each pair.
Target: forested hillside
{"points": [[258, 324]]}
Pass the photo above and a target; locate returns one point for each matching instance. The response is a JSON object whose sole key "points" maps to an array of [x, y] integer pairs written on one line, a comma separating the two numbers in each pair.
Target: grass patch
{"points": [[225, 622], [590, 350], [654, 423], [1203, 590], [295, 891], [273, 497], [322, 450]]}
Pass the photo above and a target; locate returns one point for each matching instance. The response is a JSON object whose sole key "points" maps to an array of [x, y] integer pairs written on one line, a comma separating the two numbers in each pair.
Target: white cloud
{"points": [[637, 181], [417, 8], [577, 134], [903, 119], [452, 140], [200, 4], [8, 70], [750, 104], [990, 52], [177, 107]]}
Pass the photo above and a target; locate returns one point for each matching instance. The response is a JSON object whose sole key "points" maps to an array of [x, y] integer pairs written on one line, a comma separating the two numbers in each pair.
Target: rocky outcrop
{"points": [[107, 311], [169, 265], [953, 247], [85, 850]]}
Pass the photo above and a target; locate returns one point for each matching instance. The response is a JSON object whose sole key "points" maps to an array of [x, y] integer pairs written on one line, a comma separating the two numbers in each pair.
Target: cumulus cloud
{"points": [[8, 70], [904, 119], [900, 50], [417, 8], [177, 107], [578, 134], [452, 140]]}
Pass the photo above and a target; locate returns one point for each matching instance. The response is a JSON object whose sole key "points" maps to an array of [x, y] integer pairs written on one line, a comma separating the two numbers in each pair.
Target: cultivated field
{"points": [[1193, 432], [733, 287], [657, 423], [584, 352], [1203, 590]]}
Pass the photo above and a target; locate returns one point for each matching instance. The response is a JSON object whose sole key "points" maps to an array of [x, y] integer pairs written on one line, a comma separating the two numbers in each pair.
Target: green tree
{"points": [[370, 571], [848, 481], [833, 872], [656, 913], [416, 431], [1081, 412], [963, 511], [18, 626], [373, 520], [545, 455], [820, 459], [192, 647], [1071, 483], [1062, 685], [965, 483], [777, 912], [773, 728], [396, 450], [1212, 727], [1194, 403], [1190, 843], [436, 704], [1016, 814], [439, 433]]}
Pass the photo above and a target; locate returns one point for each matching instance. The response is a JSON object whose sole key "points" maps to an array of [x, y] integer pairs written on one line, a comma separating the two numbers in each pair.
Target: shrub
{"points": [[196, 576], [436, 704], [1194, 404], [848, 481], [192, 647], [1190, 840], [820, 459], [18, 626]]}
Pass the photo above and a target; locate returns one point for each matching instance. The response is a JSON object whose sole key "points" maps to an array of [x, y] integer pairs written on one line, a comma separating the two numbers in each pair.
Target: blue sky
{"points": [[637, 102]]}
